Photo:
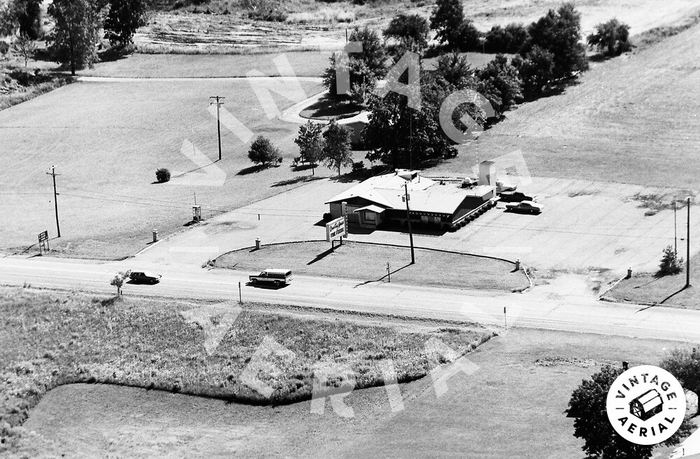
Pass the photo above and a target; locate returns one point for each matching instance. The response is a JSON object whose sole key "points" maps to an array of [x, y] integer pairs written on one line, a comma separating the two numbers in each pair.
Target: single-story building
{"points": [[381, 200]]}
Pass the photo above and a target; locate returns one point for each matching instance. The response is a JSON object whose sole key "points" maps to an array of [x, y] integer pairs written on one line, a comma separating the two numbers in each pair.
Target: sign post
{"points": [[44, 241]]}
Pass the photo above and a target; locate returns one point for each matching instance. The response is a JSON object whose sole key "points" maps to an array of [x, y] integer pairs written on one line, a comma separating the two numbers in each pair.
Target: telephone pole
{"points": [[408, 220], [687, 255], [53, 174], [219, 101], [675, 230]]}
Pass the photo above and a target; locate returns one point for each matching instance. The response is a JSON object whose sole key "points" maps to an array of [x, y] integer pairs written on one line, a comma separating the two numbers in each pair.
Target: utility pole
{"points": [[687, 255], [219, 101], [408, 220], [675, 230], [53, 174]]}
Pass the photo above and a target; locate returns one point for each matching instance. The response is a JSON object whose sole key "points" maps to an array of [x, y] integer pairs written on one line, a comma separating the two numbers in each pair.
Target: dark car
{"points": [[515, 196], [525, 207], [141, 277]]}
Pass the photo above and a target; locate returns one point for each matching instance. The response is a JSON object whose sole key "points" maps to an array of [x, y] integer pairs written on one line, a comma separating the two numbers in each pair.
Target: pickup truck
{"points": [[274, 277]]}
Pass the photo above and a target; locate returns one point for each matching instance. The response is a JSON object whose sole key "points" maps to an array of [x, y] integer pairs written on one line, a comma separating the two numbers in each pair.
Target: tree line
{"points": [[78, 26]]}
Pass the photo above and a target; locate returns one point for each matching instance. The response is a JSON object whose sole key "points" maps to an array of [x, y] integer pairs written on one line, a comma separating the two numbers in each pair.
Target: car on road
{"points": [[515, 196], [524, 207], [273, 277], [143, 277]]}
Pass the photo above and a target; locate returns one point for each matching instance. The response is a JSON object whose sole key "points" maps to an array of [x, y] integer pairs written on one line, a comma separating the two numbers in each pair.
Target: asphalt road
{"points": [[565, 304]]}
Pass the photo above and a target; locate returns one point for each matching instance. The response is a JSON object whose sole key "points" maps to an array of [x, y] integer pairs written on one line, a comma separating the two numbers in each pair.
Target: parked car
{"points": [[274, 277], [525, 207], [515, 196], [142, 277]]}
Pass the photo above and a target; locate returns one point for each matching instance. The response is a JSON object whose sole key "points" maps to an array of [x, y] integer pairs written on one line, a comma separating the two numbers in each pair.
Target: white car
{"points": [[524, 207]]}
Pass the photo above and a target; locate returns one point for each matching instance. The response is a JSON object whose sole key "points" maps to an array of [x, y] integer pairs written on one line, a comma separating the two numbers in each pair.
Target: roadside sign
{"points": [[43, 241], [335, 228]]}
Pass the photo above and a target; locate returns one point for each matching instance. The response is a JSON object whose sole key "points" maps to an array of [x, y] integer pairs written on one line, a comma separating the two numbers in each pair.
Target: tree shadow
{"points": [[295, 180], [252, 169]]}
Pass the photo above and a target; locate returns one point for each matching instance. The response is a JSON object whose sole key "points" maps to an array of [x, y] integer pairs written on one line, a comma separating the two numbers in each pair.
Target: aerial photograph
{"points": [[350, 228]]}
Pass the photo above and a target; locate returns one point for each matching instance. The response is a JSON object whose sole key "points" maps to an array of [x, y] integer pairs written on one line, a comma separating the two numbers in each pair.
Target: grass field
{"points": [[646, 288], [512, 405], [632, 119], [54, 339], [106, 139], [368, 262]]}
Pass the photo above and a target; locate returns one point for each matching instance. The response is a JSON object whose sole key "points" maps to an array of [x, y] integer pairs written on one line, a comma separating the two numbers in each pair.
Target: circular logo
{"points": [[646, 405]]}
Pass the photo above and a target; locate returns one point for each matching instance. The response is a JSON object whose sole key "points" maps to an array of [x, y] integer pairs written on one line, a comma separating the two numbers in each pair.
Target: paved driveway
{"points": [[585, 225]]}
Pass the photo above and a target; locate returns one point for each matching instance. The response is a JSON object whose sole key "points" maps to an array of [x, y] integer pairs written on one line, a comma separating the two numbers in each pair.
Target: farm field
{"points": [[106, 139], [310, 24], [634, 119], [522, 380], [352, 261]]}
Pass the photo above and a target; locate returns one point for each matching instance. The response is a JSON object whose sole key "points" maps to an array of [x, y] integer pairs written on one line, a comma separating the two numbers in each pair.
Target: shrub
{"points": [[263, 152], [358, 166], [611, 38], [468, 37], [162, 175], [670, 263]]}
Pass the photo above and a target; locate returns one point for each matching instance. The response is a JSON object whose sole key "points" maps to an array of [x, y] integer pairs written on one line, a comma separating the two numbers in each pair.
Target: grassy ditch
{"points": [[17, 86], [47, 340]]}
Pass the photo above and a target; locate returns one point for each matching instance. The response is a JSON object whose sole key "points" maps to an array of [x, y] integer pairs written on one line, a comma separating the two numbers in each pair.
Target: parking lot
{"points": [[585, 225]]}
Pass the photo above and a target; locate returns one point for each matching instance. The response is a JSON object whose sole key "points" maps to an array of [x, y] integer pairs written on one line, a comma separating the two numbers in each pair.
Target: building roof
{"points": [[372, 208], [425, 195]]}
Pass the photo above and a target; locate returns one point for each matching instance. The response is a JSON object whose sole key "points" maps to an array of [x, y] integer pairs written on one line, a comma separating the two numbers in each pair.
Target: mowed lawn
{"points": [[107, 139], [633, 119], [646, 288], [368, 263]]}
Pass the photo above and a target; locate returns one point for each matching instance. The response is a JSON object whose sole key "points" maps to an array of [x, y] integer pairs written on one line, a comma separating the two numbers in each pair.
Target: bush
{"points": [[611, 38], [505, 40], [262, 151], [670, 263], [162, 175]]}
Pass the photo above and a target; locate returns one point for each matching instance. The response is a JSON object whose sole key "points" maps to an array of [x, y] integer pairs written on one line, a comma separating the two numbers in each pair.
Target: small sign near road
{"points": [[44, 241]]}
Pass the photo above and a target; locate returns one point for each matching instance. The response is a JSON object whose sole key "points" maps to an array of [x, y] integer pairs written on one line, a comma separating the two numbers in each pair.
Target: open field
{"points": [[645, 288], [633, 119], [511, 405], [368, 262], [215, 350], [106, 139], [310, 24]]}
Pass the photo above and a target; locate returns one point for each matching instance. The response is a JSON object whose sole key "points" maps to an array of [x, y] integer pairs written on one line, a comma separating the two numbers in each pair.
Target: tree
{"points": [[500, 83], [587, 407], [336, 149], [400, 136], [559, 32], [446, 20], [505, 40], [162, 175], [76, 32], [310, 142], [670, 263], [611, 38], [364, 68], [124, 18], [410, 30], [263, 152], [468, 37], [118, 280], [25, 47], [454, 69], [536, 71], [684, 364], [27, 14], [8, 23]]}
